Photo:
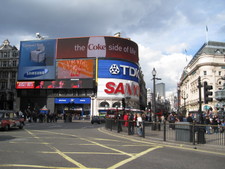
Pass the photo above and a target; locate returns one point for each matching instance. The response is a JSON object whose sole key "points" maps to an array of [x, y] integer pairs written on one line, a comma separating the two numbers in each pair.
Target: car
{"points": [[97, 119], [10, 120]]}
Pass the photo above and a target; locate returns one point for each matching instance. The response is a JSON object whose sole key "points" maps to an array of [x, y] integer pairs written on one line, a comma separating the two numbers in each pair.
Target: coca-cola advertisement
{"points": [[97, 47]]}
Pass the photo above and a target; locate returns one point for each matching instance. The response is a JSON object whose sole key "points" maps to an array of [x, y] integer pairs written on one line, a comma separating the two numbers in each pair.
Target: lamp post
{"points": [[184, 98], [154, 102]]}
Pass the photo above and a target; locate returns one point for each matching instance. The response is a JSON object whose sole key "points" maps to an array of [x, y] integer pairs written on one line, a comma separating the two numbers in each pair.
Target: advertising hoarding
{"points": [[118, 70], [56, 84], [118, 88], [25, 85], [67, 69], [97, 47], [37, 59]]}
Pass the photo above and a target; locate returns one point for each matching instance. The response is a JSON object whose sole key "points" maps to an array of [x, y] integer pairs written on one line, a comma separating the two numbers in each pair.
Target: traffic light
{"points": [[207, 93], [149, 105], [123, 103]]}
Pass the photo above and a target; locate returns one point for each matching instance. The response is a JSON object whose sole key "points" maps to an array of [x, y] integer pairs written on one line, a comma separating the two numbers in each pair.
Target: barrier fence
{"points": [[185, 132]]}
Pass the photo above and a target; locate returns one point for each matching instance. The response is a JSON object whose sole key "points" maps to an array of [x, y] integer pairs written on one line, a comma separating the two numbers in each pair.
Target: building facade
{"points": [[160, 90], [208, 64], [85, 76], [9, 56]]}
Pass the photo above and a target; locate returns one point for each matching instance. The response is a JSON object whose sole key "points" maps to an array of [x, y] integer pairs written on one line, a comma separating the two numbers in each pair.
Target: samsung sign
{"points": [[77, 100], [118, 70], [35, 73]]}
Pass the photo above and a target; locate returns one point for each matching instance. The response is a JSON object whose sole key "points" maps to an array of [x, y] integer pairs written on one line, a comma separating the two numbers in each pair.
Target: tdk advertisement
{"points": [[118, 70]]}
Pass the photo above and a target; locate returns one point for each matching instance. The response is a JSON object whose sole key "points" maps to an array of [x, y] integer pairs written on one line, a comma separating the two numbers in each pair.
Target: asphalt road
{"points": [[83, 145]]}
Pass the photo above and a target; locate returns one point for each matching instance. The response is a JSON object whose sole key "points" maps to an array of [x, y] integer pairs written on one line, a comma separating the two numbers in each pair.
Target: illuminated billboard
{"points": [[25, 85], [118, 70], [37, 60], [118, 88], [55, 84], [68, 69], [97, 47]]}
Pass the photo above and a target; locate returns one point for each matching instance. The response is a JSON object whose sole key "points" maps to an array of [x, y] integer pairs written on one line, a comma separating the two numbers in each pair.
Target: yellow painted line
{"points": [[98, 144], [121, 163], [35, 166], [60, 153], [14, 142], [102, 139]]}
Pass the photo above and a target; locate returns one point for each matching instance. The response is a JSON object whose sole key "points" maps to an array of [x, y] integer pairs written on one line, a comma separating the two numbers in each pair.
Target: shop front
{"points": [[74, 108]]}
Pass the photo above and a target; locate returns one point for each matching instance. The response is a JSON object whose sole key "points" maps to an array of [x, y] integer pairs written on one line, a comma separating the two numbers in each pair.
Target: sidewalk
{"points": [[214, 149]]}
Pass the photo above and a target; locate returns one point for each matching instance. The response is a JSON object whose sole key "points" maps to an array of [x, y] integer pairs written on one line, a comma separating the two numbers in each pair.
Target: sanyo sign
{"points": [[118, 69]]}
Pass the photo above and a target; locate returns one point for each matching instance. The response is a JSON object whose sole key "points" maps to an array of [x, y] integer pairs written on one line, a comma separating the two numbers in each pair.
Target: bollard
{"points": [[143, 129], [164, 130]]}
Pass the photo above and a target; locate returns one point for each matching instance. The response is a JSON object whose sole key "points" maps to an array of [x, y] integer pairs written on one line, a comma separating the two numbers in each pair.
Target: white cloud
{"points": [[163, 29], [168, 66]]}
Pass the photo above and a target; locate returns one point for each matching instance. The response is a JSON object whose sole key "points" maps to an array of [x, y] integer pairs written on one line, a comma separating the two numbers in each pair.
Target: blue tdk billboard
{"points": [[117, 69], [37, 60]]}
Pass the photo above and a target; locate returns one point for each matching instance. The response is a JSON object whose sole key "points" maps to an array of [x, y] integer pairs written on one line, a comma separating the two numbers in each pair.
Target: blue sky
{"points": [[163, 29]]}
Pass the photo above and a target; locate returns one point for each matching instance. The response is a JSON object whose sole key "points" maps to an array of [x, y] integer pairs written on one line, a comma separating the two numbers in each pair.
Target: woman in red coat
{"points": [[125, 118]]}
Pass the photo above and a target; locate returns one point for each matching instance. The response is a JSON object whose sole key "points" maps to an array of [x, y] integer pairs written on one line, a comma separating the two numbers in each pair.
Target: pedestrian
{"points": [[139, 125], [131, 124], [189, 118], [126, 118], [207, 123]]}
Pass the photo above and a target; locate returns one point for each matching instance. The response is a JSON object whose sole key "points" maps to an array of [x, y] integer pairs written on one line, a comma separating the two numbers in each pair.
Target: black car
{"points": [[97, 119]]}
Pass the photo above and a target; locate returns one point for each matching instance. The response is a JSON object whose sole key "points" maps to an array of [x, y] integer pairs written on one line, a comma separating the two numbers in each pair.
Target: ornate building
{"points": [[208, 64], [9, 56]]}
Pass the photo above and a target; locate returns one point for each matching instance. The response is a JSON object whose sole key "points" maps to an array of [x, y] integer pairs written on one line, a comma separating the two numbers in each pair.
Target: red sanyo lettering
{"points": [[96, 47], [112, 88]]}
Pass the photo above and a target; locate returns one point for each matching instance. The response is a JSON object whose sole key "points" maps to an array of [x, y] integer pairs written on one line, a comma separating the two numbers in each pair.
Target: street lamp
{"points": [[154, 102], [184, 98]]}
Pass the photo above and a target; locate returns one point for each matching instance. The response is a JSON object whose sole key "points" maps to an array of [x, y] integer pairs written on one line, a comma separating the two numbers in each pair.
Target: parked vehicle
{"points": [[10, 120], [97, 119]]}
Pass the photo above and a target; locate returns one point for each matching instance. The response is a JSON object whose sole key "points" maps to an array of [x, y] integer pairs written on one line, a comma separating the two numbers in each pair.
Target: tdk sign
{"points": [[36, 73], [118, 70]]}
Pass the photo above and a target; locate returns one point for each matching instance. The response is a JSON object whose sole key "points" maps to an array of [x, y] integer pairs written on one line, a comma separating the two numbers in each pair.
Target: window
{"points": [[14, 63], [219, 73], [205, 72]]}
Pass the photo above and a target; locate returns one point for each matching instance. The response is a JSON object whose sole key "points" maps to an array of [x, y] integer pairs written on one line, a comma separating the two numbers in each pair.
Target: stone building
{"points": [[9, 56], [208, 64]]}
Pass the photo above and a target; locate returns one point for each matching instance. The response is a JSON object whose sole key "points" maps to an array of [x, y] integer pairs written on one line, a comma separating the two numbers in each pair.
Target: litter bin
{"points": [[201, 135], [183, 131]]}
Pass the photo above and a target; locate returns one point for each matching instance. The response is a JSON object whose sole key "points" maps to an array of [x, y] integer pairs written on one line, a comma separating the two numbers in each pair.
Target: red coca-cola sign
{"points": [[97, 47]]}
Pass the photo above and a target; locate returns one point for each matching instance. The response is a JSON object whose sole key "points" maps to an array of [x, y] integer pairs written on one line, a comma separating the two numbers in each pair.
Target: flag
{"points": [[206, 28]]}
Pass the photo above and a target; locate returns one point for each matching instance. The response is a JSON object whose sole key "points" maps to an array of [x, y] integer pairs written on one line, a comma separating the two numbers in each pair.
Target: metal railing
{"points": [[187, 133]]}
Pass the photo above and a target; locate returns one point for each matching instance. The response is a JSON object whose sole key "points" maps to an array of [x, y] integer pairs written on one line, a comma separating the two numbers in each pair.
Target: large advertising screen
{"points": [[97, 47], [118, 70], [118, 88], [56, 84], [37, 59], [67, 69]]}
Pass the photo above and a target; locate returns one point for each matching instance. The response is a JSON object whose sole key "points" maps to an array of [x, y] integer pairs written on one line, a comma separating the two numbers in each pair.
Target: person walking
{"points": [[139, 124], [126, 118]]}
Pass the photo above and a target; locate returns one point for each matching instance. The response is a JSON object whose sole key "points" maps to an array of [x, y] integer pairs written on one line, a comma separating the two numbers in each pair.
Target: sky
{"points": [[168, 32]]}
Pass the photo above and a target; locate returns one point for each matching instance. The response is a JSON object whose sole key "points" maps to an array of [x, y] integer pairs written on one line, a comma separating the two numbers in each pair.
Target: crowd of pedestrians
{"points": [[37, 116], [209, 119]]}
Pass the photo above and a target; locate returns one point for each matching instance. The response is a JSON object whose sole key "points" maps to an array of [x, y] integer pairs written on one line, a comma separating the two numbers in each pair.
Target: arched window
{"points": [[104, 104], [116, 104]]}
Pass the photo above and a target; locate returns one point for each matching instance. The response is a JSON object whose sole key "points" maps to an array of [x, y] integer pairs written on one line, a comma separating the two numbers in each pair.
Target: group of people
{"points": [[212, 123], [132, 120], [36, 116], [209, 119]]}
